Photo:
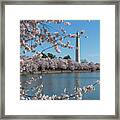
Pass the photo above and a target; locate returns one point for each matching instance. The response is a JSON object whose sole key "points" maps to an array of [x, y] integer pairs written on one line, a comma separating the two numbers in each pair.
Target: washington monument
{"points": [[77, 52]]}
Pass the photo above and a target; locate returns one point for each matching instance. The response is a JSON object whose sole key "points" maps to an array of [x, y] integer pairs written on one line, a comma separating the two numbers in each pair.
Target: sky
{"points": [[89, 47]]}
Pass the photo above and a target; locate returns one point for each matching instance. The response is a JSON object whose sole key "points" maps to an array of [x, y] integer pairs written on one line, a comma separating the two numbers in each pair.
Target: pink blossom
{"points": [[71, 47], [67, 23], [57, 49], [56, 34], [72, 35]]}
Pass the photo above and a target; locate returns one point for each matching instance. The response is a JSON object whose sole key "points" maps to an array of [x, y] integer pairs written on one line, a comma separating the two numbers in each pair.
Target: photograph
{"points": [[59, 59]]}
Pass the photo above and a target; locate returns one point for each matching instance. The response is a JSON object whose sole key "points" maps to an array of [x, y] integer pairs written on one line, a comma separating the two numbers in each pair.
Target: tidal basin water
{"points": [[54, 83]]}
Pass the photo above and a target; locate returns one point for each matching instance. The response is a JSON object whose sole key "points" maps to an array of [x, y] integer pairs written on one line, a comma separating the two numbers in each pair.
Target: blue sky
{"points": [[90, 47]]}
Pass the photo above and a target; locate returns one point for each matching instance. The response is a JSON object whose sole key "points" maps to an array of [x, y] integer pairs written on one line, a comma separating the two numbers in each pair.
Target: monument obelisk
{"points": [[77, 47]]}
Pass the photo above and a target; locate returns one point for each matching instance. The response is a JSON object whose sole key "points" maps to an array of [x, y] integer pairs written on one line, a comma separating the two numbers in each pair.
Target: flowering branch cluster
{"points": [[35, 32]]}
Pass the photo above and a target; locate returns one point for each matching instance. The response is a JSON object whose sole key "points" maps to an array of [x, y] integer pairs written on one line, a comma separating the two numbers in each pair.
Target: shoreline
{"points": [[59, 72]]}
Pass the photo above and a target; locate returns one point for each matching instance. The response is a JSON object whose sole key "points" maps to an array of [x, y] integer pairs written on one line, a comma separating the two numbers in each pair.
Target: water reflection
{"points": [[69, 85]]}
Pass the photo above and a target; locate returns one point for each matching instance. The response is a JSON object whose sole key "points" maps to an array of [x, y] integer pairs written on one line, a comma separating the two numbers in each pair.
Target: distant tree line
{"points": [[51, 56]]}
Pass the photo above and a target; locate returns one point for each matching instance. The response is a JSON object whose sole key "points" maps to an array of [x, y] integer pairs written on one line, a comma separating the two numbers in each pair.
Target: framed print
{"points": [[60, 59]]}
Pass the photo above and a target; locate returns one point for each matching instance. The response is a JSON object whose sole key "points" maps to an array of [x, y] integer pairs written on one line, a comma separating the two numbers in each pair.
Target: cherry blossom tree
{"points": [[33, 33]]}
